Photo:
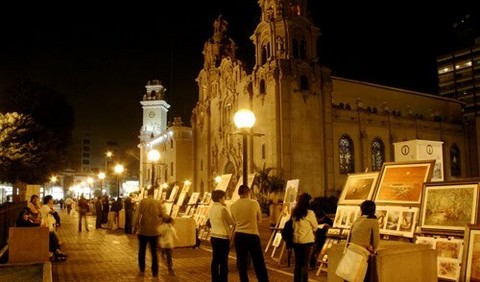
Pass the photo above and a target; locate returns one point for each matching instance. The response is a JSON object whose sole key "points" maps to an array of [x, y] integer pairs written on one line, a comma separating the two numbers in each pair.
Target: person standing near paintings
{"points": [[147, 218], [365, 232], [304, 226], [246, 215], [220, 221]]}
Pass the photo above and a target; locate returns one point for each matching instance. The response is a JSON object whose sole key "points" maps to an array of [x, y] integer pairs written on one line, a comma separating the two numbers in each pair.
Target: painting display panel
{"points": [[397, 220], [449, 248], [471, 255], [250, 179], [224, 181], [173, 194], [291, 190], [346, 216], [194, 198], [429, 241], [402, 182], [448, 207], [358, 188], [448, 269]]}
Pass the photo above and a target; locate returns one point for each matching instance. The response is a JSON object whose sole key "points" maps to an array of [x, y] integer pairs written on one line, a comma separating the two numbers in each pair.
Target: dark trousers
{"points": [[245, 245], [53, 242], [167, 254], [152, 241], [82, 215], [302, 256], [219, 266], [98, 219], [128, 221]]}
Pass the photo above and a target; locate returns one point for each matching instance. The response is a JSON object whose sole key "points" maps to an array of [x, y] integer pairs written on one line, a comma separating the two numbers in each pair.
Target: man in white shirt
{"points": [[247, 215]]}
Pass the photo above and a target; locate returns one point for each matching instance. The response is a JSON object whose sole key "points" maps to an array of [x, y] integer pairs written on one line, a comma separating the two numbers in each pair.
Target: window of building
{"points": [[171, 143], [295, 48], [86, 162], [263, 58], [171, 169], [86, 148], [378, 154], [304, 84], [262, 86], [201, 165], [86, 141], [346, 155], [455, 161], [263, 151], [303, 50], [86, 155]]}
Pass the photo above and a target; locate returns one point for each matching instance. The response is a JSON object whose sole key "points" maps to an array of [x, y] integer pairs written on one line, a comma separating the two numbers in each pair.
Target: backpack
{"points": [[287, 233]]}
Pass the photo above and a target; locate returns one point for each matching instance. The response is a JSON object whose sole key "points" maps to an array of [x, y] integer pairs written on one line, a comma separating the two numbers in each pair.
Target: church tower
{"points": [[290, 90], [155, 110]]}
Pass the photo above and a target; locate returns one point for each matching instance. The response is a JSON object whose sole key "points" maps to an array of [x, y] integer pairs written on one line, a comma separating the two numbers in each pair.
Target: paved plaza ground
{"points": [[111, 255]]}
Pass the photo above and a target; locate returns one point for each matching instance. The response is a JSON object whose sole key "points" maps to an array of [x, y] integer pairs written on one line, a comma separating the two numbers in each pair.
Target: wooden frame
{"points": [[402, 182], [471, 254], [448, 206], [358, 188]]}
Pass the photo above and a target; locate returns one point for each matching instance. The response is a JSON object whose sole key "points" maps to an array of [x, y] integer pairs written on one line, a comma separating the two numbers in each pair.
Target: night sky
{"points": [[102, 57]]}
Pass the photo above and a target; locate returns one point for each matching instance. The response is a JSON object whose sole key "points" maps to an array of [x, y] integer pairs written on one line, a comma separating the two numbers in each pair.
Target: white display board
{"points": [[224, 182], [235, 195], [291, 191], [418, 150]]}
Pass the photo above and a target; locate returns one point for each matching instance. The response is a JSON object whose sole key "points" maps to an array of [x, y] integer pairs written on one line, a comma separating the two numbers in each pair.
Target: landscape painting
{"points": [[471, 257], [449, 206], [402, 183]]}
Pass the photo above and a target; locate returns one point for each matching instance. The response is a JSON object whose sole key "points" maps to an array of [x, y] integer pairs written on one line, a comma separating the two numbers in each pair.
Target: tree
{"points": [[46, 123], [268, 181]]}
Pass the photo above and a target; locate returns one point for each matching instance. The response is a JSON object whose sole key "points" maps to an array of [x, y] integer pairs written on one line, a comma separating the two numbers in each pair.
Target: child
{"points": [[167, 237]]}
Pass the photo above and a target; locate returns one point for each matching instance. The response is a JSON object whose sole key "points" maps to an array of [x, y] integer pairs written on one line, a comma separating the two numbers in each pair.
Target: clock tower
{"points": [[155, 110]]}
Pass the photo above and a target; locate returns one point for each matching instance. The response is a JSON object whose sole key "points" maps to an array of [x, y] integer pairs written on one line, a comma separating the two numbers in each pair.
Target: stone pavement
{"points": [[111, 255]]}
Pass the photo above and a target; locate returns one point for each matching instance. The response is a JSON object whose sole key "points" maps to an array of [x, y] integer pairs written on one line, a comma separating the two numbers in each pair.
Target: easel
{"points": [[288, 203]]}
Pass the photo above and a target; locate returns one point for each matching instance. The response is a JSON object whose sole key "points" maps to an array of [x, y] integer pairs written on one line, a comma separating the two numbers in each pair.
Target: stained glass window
{"points": [[346, 155], [378, 154]]}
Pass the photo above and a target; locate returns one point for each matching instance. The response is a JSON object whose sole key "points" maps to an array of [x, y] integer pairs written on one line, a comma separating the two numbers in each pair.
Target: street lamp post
{"points": [[118, 170], [153, 156], [244, 120], [108, 155], [101, 176]]}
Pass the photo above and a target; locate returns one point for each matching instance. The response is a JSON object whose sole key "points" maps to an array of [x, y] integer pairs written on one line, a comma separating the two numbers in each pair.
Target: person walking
{"points": [[128, 205], [98, 212], [83, 209], [147, 218], [304, 226], [168, 235], [246, 215], [68, 203], [221, 222]]}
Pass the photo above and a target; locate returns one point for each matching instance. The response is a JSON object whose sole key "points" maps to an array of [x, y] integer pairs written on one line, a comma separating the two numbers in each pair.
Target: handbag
{"points": [[352, 266]]}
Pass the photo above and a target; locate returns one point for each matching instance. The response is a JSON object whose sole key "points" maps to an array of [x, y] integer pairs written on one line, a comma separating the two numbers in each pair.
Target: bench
{"points": [[28, 244]]}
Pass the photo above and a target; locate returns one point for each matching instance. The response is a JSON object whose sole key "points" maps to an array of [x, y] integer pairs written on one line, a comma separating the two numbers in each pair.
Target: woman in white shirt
{"points": [[304, 226], [221, 222]]}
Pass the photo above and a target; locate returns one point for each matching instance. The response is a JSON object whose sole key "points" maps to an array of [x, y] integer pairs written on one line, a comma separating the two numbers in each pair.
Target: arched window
{"points": [[455, 167], [295, 48], [304, 85], [303, 50], [262, 86], [378, 154], [345, 146], [264, 55]]}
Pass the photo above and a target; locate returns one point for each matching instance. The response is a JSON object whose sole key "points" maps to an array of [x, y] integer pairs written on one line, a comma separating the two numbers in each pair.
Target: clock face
{"points": [[151, 114]]}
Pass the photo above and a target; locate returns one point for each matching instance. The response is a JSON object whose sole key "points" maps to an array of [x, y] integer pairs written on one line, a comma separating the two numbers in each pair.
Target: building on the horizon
{"points": [[174, 142], [316, 128]]}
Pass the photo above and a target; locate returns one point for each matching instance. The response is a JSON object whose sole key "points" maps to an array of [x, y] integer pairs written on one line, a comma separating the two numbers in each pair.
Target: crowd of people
{"points": [[149, 221]]}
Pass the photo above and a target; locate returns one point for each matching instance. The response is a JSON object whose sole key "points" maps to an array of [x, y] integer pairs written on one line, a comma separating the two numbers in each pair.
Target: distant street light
{"points": [[108, 155], [153, 156], [118, 170], [244, 120]]}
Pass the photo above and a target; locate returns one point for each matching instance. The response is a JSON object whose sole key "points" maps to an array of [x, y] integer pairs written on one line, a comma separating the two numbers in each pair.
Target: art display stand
{"points": [[335, 235]]}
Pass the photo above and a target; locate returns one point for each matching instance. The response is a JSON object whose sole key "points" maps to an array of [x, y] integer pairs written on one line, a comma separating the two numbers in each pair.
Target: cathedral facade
{"points": [[314, 127]]}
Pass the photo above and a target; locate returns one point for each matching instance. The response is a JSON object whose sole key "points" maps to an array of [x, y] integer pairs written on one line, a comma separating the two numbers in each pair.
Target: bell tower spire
{"points": [[155, 110], [219, 45]]}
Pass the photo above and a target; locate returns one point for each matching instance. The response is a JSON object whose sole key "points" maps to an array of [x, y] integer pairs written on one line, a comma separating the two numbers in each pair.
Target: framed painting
{"points": [[449, 206], [429, 241], [448, 269], [194, 198], [346, 215], [449, 248], [471, 254], [358, 188], [402, 182]]}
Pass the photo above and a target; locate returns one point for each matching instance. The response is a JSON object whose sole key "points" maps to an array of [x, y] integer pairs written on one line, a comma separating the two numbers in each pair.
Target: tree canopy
{"points": [[36, 125]]}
